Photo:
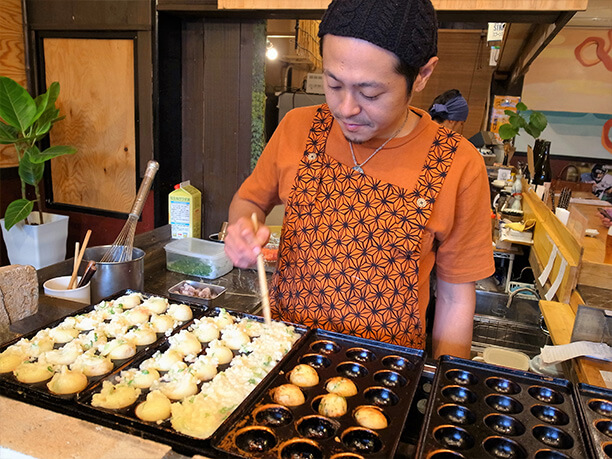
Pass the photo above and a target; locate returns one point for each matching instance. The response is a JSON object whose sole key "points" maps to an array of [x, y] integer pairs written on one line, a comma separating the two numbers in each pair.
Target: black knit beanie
{"points": [[407, 28]]}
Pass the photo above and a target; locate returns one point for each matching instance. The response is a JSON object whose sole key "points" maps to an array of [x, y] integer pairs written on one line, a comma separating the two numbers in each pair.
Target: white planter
{"points": [[37, 245]]}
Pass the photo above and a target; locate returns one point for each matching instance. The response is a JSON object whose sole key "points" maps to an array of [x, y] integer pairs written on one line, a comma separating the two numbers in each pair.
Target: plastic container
{"points": [[196, 257]]}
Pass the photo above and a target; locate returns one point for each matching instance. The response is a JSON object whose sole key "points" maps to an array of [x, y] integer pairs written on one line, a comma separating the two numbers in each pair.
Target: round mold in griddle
{"points": [[503, 386], [459, 394], [316, 427], [381, 396], [462, 377], [604, 426], [602, 407], [453, 437], [273, 415], [255, 439], [607, 449], [390, 378], [550, 454], [300, 448], [553, 437], [504, 425], [444, 454], [550, 415], [457, 414], [504, 448], [352, 370], [315, 360], [504, 404], [545, 394], [361, 440], [397, 363], [346, 456], [325, 347], [360, 354]]}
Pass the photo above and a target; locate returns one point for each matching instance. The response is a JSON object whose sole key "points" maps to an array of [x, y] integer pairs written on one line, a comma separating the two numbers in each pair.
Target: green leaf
{"points": [[41, 105], [17, 211], [8, 134], [517, 121], [30, 172], [521, 107], [506, 131], [538, 121], [532, 131], [17, 107], [52, 152], [509, 112]]}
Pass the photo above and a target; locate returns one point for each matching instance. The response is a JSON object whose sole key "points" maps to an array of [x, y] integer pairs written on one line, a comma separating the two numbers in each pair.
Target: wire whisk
{"points": [[122, 248]]}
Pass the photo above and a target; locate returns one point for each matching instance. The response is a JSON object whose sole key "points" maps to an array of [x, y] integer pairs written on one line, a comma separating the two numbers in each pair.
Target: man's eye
{"points": [[368, 97]]}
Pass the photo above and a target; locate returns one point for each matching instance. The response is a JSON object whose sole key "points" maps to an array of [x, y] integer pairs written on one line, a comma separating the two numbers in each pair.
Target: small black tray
{"points": [[126, 420], [596, 409], [369, 364], [39, 394], [482, 410]]}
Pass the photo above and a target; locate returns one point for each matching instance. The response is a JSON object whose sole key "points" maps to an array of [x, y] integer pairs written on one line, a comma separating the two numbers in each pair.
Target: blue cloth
{"points": [[454, 110]]}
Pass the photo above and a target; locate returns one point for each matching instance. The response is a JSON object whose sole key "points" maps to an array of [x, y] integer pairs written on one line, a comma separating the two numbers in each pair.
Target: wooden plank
{"points": [[441, 5], [12, 59], [559, 319], [97, 97]]}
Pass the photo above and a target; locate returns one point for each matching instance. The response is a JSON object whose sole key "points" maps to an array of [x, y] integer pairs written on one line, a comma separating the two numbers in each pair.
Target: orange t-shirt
{"points": [[457, 238]]}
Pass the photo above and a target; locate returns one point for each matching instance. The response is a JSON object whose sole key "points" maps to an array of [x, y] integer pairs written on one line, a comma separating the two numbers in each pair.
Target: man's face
{"points": [[365, 93]]}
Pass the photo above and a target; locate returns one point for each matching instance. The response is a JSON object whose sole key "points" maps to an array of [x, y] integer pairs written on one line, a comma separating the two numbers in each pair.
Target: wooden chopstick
{"points": [[75, 271], [263, 281]]}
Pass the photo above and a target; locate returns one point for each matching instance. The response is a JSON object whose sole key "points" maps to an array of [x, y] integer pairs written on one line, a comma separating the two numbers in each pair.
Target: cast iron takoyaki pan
{"points": [[596, 408], [385, 377], [482, 410]]}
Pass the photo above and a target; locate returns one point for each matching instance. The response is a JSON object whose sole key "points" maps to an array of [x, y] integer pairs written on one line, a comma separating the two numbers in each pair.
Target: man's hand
{"points": [[242, 243]]}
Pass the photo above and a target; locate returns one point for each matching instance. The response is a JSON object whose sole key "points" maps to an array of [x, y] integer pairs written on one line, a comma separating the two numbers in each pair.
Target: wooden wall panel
{"points": [[96, 77], [463, 65], [12, 59]]}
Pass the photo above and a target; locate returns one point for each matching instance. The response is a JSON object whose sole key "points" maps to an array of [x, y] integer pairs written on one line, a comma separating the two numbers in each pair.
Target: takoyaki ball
{"points": [[332, 405], [93, 339], [118, 349], [206, 330], [162, 323], [129, 301], [62, 335], [114, 397], [138, 315], [186, 343], [288, 395], [304, 376], [252, 327], [166, 360], [65, 355], [223, 319], [155, 408], [180, 312], [33, 372], [67, 382], [204, 368], [142, 335], [92, 364], [222, 353], [156, 304], [178, 389], [10, 359], [341, 386], [86, 323], [234, 338], [370, 417]]}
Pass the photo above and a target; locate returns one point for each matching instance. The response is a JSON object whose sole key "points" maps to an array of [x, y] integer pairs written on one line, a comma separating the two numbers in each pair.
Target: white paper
{"points": [[556, 354], [555, 286], [549, 266]]}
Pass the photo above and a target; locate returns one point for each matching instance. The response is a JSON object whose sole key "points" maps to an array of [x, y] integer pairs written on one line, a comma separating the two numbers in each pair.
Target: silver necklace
{"points": [[359, 167]]}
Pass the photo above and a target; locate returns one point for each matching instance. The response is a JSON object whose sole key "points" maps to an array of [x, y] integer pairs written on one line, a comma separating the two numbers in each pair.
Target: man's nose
{"points": [[349, 105]]}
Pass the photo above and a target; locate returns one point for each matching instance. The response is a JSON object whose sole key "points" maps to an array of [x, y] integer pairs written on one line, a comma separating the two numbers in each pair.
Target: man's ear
{"points": [[424, 74]]}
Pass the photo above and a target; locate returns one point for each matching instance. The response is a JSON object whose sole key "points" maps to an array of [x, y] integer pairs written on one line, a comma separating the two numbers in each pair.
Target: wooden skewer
{"points": [[75, 271], [75, 266], [263, 281]]}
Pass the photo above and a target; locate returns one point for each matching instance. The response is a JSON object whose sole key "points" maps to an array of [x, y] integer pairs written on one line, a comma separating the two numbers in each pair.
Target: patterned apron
{"points": [[350, 245]]}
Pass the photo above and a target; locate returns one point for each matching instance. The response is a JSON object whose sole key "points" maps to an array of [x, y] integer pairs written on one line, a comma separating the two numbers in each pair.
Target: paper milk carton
{"points": [[185, 211]]}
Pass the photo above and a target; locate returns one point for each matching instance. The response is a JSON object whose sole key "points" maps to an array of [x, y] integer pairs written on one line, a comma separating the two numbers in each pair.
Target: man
{"points": [[375, 192], [602, 182], [450, 110]]}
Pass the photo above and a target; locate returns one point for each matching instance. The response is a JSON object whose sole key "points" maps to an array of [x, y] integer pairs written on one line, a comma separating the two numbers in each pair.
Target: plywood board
{"points": [[96, 77], [12, 59]]}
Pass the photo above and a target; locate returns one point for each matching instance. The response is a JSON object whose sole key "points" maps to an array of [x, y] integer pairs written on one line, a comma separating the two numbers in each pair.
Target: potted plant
{"points": [[24, 121]]}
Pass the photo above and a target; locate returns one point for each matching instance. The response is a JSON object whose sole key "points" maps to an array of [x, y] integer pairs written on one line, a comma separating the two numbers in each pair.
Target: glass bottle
{"points": [[544, 174], [537, 157]]}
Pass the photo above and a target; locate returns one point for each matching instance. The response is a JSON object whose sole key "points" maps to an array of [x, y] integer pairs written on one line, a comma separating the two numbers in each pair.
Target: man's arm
{"points": [[242, 245], [454, 319]]}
